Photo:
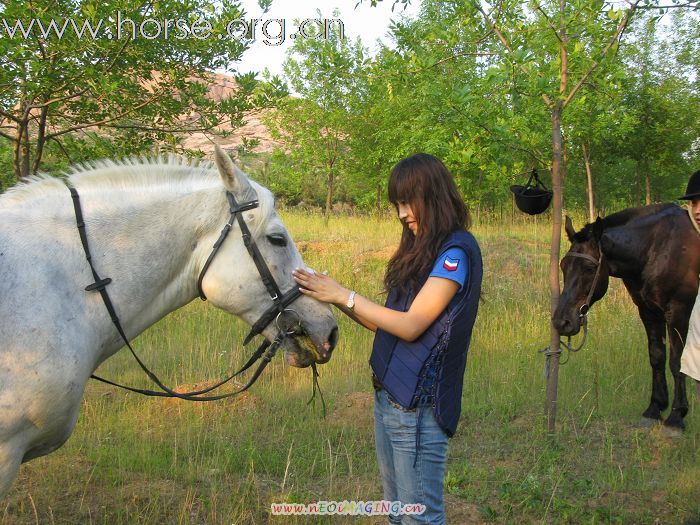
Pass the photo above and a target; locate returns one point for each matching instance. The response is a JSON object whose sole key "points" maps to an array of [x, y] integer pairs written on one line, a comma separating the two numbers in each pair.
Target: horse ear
{"points": [[234, 179], [598, 228], [569, 227]]}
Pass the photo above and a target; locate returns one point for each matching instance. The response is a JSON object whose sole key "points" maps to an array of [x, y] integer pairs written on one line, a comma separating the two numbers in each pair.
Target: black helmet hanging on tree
{"points": [[533, 198]]}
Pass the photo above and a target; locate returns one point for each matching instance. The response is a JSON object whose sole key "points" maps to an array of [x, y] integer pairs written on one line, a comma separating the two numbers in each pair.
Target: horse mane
{"points": [[171, 174], [625, 216], [144, 171], [141, 172], [619, 218]]}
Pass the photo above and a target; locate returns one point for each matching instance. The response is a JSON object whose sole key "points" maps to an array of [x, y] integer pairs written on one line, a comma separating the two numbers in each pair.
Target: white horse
{"points": [[151, 226]]}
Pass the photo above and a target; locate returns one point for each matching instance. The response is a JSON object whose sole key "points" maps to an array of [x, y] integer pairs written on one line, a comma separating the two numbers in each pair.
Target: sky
{"points": [[369, 23]]}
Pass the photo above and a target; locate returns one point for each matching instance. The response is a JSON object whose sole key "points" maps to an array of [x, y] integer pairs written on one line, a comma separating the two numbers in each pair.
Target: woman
{"points": [[690, 359], [422, 333]]}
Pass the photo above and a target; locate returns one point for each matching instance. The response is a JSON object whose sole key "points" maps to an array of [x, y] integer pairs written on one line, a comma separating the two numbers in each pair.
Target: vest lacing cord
{"points": [[425, 394]]}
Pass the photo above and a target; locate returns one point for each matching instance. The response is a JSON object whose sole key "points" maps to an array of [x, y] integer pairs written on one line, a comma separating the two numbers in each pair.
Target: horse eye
{"points": [[277, 239]]}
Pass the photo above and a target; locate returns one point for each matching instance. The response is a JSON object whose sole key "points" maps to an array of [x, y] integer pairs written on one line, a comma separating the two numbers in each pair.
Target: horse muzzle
{"points": [[301, 349], [567, 324]]}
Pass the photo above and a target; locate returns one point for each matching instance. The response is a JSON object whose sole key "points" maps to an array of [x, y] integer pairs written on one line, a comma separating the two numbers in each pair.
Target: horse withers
{"points": [[151, 226], [655, 250]]}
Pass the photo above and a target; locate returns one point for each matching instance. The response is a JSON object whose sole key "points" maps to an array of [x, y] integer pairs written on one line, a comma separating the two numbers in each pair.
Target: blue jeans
{"points": [[395, 437]]}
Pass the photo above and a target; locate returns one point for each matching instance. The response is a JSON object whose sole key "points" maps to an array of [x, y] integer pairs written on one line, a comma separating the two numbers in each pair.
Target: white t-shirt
{"points": [[690, 360]]}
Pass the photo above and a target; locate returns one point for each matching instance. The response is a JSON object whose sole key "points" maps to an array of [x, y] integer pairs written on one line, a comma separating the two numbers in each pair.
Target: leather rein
{"points": [[267, 349]]}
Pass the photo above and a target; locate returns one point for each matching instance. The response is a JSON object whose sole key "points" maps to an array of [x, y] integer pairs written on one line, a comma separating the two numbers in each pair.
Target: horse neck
{"points": [[149, 244], [625, 251], [627, 237]]}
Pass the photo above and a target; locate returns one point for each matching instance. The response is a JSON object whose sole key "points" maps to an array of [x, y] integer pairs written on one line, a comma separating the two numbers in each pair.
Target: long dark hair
{"points": [[426, 185]]}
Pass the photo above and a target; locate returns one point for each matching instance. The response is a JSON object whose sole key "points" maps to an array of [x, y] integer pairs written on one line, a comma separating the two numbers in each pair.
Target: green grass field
{"points": [[141, 460]]}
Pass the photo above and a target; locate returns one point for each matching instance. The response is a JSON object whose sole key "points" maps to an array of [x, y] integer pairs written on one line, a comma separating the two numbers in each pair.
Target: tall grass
{"points": [[140, 460]]}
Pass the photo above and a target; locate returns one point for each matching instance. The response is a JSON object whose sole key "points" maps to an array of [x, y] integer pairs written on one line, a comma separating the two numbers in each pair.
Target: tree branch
{"points": [[536, 155], [63, 149], [507, 45], [107, 120], [618, 34], [73, 80], [694, 5], [551, 25], [203, 129], [441, 61], [453, 57], [59, 99], [40, 140], [9, 116]]}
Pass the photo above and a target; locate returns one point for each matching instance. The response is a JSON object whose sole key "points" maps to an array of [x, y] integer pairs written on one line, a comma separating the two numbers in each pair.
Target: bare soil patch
{"points": [[383, 254], [319, 247], [355, 408]]}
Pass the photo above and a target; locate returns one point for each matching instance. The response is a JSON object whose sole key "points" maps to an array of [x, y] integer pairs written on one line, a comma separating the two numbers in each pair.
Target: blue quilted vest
{"points": [[441, 351]]}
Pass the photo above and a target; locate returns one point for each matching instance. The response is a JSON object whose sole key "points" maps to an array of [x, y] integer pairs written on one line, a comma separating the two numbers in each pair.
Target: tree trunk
{"points": [[17, 155], [564, 159], [589, 180], [20, 151], [379, 198], [26, 149], [329, 195], [40, 140], [553, 354], [647, 184]]}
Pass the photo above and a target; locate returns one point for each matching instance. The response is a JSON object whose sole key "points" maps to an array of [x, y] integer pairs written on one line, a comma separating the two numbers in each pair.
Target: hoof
{"points": [[647, 422], [671, 432]]}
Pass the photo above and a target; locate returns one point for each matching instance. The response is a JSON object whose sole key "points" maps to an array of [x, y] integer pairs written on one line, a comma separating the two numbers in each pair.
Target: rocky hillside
{"points": [[222, 87]]}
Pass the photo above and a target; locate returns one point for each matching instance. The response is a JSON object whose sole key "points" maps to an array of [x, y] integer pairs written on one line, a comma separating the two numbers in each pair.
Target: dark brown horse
{"points": [[655, 250]]}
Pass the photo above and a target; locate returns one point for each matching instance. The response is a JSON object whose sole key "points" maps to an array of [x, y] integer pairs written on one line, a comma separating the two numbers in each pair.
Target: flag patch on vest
{"points": [[450, 264]]}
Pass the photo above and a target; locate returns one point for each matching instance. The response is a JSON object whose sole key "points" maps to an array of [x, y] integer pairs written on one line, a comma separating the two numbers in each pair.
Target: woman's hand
{"points": [[320, 287]]}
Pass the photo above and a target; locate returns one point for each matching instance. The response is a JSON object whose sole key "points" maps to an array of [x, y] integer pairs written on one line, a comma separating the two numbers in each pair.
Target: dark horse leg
{"points": [[677, 331], [655, 326]]}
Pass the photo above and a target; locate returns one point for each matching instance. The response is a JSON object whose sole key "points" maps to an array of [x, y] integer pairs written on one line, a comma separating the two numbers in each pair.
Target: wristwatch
{"points": [[351, 301]]}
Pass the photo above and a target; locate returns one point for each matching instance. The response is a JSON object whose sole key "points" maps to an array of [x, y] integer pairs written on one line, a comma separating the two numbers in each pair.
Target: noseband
{"points": [[275, 312]]}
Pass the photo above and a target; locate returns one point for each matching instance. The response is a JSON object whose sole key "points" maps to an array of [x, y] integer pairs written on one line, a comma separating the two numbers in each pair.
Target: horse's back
{"points": [[667, 248]]}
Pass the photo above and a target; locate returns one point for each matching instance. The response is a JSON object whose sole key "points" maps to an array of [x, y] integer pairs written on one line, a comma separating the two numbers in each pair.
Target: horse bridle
{"points": [[586, 306], [280, 301], [279, 307]]}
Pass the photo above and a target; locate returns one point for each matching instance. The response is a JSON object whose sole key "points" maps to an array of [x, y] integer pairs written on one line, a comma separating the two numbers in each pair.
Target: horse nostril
{"points": [[332, 339], [562, 325], [566, 327]]}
